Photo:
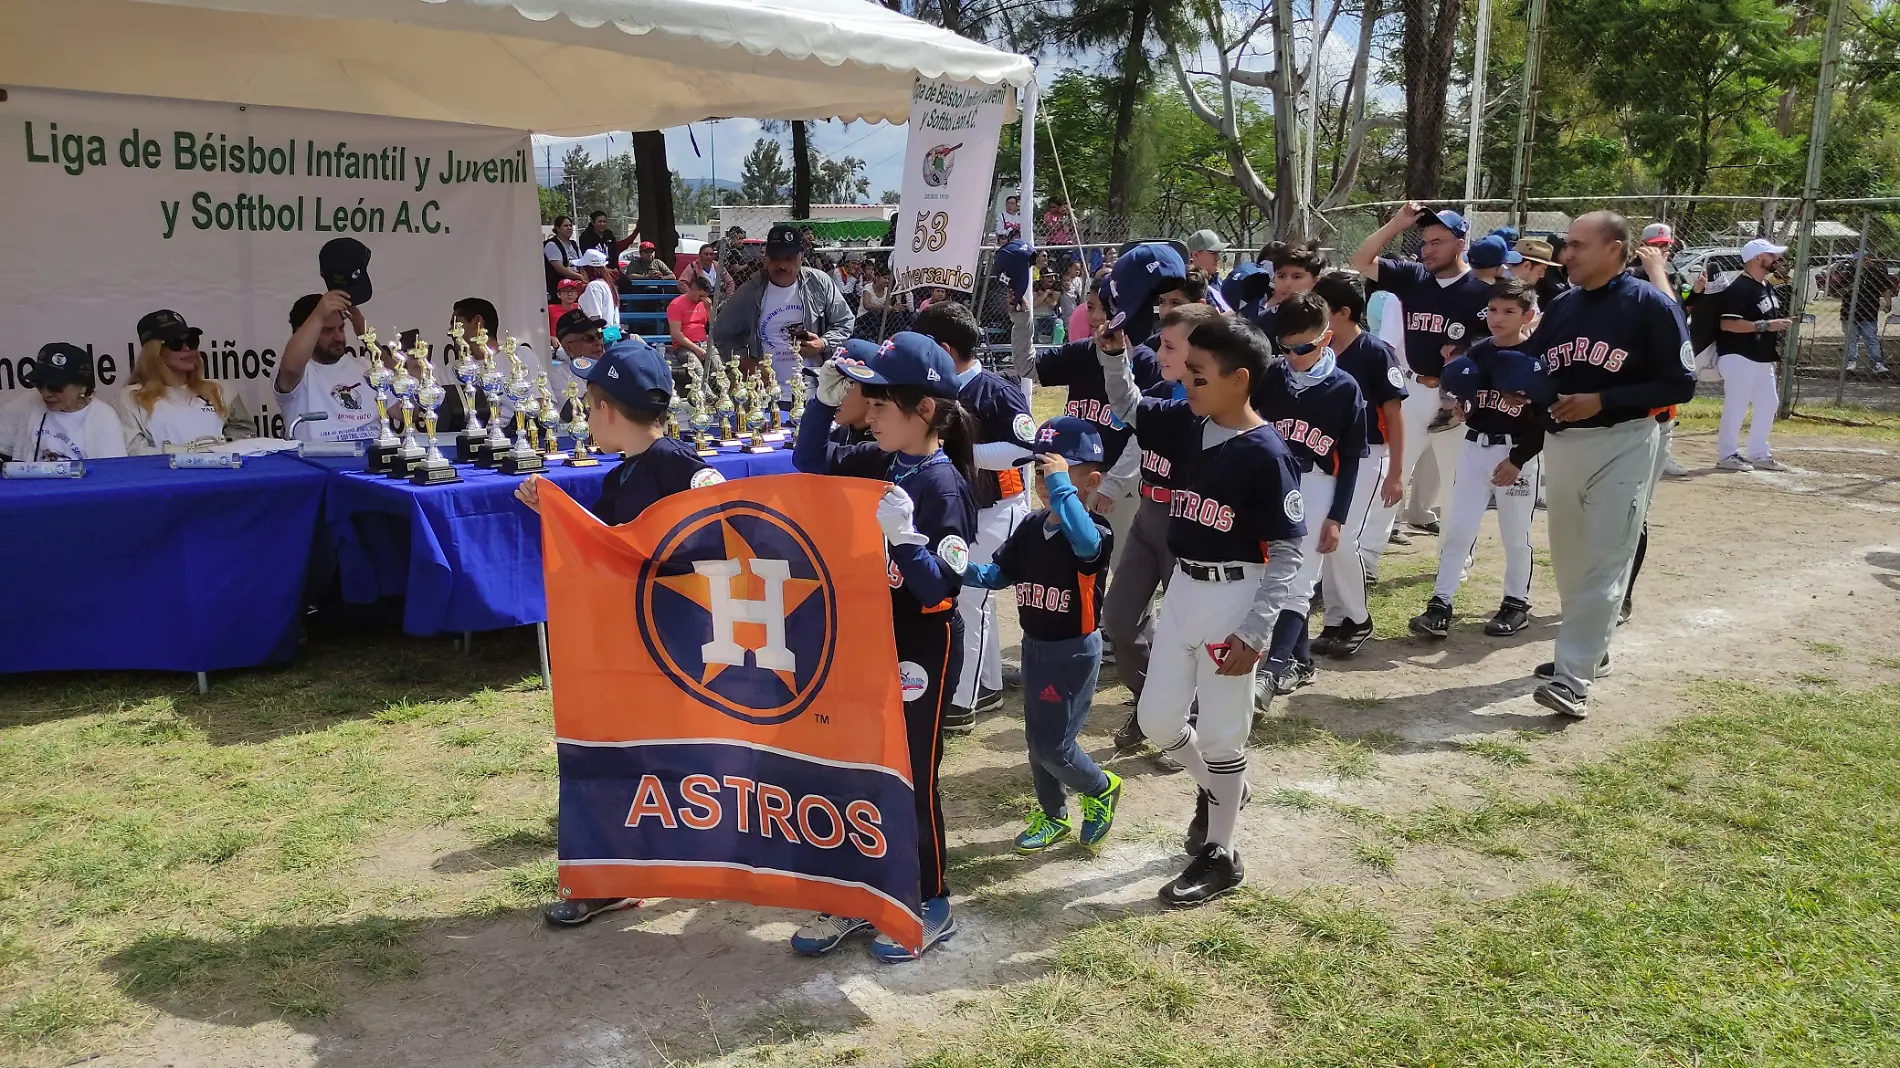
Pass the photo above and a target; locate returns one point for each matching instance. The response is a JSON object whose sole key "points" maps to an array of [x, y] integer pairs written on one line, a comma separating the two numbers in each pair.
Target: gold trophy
{"points": [[775, 424], [756, 402], [435, 468], [406, 386], [725, 385], [493, 383], [798, 409], [468, 371], [522, 458], [382, 451], [549, 413], [577, 426], [699, 419]]}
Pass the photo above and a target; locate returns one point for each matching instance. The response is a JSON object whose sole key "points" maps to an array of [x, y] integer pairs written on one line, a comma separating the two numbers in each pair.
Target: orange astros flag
{"points": [[726, 701]]}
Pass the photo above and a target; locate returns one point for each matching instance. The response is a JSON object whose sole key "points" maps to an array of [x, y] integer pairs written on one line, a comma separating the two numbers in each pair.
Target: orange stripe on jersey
{"points": [[1085, 590], [942, 605], [1670, 412], [1383, 434], [1009, 483]]}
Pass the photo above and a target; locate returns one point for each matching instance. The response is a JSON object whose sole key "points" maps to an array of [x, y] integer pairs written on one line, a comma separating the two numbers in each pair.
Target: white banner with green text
{"points": [[943, 206]]}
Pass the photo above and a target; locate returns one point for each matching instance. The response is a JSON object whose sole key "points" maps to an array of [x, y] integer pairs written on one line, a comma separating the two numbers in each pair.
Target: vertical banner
{"points": [[727, 704], [948, 163], [115, 206]]}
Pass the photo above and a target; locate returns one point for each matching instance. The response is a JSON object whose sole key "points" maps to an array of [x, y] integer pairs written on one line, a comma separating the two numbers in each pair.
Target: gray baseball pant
{"points": [[1597, 487], [1142, 566]]}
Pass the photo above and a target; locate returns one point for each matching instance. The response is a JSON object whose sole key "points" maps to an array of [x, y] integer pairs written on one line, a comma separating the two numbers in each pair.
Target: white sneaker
{"points": [[1879, 369], [1673, 469], [1768, 463], [1733, 463]]}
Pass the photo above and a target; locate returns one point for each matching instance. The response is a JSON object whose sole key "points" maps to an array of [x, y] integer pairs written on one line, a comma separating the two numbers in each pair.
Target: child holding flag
{"points": [[1055, 560], [923, 441]]}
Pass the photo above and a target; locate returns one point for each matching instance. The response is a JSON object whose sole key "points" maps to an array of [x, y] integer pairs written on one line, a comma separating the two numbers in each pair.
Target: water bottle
{"points": [[1062, 332]]}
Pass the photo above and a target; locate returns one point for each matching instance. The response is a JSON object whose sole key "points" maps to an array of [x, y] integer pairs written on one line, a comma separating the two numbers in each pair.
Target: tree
{"points": [[553, 204], [1430, 36], [801, 171], [763, 178], [890, 196], [656, 193], [840, 181], [588, 183]]}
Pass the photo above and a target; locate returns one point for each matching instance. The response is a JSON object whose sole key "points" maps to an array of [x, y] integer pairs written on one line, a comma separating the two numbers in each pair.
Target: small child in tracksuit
{"points": [[1057, 560]]}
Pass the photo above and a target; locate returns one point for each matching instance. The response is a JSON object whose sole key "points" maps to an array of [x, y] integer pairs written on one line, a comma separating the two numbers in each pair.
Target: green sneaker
{"points": [[1098, 811], [1043, 832]]}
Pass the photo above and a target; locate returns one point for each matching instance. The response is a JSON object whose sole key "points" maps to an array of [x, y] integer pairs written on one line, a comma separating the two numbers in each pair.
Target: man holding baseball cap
{"points": [[1749, 346]]}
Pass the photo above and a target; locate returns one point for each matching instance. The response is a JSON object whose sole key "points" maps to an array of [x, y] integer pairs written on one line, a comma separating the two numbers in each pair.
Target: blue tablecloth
{"points": [[465, 556], [138, 566]]}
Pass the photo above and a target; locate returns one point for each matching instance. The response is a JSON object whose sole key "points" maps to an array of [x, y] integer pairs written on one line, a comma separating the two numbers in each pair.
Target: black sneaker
{"points": [[1328, 639], [1214, 871], [988, 700], [578, 910], [1548, 669], [1397, 537], [1196, 839], [1435, 621], [1563, 700], [1293, 676], [1434, 528], [1129, 737], [1352, 636], [959, 720], [1513, 615]]}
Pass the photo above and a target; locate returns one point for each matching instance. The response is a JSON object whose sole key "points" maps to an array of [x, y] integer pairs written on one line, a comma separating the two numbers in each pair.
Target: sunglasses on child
{"points": [[188, 341], [1301, 350]]}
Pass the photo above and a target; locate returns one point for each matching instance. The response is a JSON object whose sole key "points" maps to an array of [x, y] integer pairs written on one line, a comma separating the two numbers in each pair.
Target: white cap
{"points": [[1658, 234], [1761, 246], [593, 257]]}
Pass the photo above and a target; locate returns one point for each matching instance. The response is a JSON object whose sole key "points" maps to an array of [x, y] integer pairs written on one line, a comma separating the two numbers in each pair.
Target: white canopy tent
{"points": [[556, 66]]}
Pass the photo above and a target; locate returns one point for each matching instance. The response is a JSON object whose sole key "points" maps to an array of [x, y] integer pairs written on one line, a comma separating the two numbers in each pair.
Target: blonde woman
{"points": [[169, 401]]}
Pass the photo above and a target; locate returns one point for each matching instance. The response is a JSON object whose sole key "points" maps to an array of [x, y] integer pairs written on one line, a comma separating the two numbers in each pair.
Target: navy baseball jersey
{"points": [[1157, 471], [668, 467], [1751, 302], [842, 434], [1323, 425], [1057, 595], [1372, 363], [1076, 366], [1623, 340], [1493, 412], [943, 511], [1001, 415], [1230, 501], [1437, 312]]}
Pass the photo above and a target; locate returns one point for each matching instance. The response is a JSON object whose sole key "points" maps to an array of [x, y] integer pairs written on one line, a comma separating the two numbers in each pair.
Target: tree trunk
{"points": [[1426, 48], [1352, 110], [1134, 58], [801, 171], [655, 181], [1289, 213]]}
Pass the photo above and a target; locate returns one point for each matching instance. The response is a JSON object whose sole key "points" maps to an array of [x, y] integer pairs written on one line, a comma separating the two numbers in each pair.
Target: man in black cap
{"points": [[58, 420], [793, 314], [319, 372], [344, 263]]}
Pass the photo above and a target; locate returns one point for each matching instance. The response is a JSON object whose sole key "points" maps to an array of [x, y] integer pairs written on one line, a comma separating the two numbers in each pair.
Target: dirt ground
{"points": [[1773, 577]]}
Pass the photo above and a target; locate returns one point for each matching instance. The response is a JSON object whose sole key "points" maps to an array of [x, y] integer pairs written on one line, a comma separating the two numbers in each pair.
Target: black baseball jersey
{"points": [[1001, 415], [1623, 340], [1751, 302], [1375, 366], [1057, 595], [1158, 470], [943, 511], [1493, 413], [1323, 425], [1230, 501], [1437, 312], [1076, 366], [668, 467]]}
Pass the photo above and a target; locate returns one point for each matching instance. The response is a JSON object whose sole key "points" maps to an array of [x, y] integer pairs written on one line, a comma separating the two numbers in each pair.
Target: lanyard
{"points": [[930, 461]]}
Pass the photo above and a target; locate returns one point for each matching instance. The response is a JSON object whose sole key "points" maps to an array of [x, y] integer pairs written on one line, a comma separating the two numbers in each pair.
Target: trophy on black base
{"points": [[730, 388], [775, 425], [578, 428], [521, 459], [493, 383], [382, 451], [549, 413], [755, 418], [798, 410], [435, 468], [474, 436], [699, 419], [410, 454]]}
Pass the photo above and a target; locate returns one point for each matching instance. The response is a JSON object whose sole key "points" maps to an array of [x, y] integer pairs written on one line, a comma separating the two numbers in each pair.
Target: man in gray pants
{"points": [[1613, 350]]}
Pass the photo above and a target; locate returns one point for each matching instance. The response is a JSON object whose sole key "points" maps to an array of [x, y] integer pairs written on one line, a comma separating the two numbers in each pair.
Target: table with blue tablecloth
{"points": [[464, 556], [142, 566]]}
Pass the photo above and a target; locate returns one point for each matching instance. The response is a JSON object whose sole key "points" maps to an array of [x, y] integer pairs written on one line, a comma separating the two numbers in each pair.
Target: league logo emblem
{"points": [[938, 163], [345, 395]]}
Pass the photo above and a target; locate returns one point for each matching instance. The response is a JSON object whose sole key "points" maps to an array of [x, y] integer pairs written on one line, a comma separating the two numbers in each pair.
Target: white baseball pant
{"points": [[1194, 614], [982, 642], [1316, 488], [1416, 412], [1471, 492], [1746, 384], [1342, 576], [1597, 486]]}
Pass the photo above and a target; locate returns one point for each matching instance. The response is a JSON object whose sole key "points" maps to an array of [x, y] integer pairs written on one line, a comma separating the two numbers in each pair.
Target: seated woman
{"points": [[168, 400], [58, 419]]}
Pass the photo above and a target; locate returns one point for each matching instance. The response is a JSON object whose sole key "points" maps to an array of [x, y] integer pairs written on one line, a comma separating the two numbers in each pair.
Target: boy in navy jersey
{"points": [[1321, 415], [1056, 560], [1613, 350], [1235, 523], [1375, 366], [1504, 432], [1004, 431], [1296, 269], [629, 390]]}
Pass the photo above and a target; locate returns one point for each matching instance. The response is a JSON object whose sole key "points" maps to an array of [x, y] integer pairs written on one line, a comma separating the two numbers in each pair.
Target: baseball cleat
{"points": [[825, 932], [939, 925], [1129, 737], [1767, 463], [1733, 463], [959, 720], [1328, 637], [1563, 700], [1293, 676], [578, 910], [1513, 615], [1352, 637], [1435, 621], [1214, 871], [988, 700], [1548, 670]]}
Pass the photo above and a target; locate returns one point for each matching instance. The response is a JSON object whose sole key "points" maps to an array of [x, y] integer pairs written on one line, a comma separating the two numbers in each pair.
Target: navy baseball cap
{"points": [[1517, 372], [1075, 440], [59, 365], [1508, 233], [1012, 266], [908, 359], [782, 241], [1491, 251], [1135, 279], [344, 264], [1462, 379], [630, 371], [1446, 218], [1249, 282]]}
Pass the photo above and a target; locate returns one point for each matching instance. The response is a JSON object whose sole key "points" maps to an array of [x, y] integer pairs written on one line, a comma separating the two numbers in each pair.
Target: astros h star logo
{"points": [[737, 609]]}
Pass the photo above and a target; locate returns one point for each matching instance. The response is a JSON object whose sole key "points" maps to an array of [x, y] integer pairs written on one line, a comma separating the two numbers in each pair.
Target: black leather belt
{"points": [[1489, 440], [1212, 573]]}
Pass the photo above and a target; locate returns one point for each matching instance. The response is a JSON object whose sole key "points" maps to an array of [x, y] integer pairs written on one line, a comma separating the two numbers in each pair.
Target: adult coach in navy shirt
{"points": [[1613, 350]]}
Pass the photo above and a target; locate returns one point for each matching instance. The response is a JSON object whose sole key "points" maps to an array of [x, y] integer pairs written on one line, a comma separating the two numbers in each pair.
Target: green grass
{"points": [[1508, 754], [1730, 896], [1703, 414]]}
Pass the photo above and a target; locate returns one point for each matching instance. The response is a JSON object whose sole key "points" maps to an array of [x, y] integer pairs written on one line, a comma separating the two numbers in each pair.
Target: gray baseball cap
{"points": [[1207, 241]]}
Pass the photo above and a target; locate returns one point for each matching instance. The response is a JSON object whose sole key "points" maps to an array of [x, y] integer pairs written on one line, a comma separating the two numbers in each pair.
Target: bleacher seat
{"points": [[643, 304]]}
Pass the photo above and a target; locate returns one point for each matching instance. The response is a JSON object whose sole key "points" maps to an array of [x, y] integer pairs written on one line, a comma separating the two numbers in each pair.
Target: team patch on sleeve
{"points": [[1024, 427], [1455, 331], [1294, 506], [953, 551], [1393, 376], [1687, 356], [706, 476]]}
